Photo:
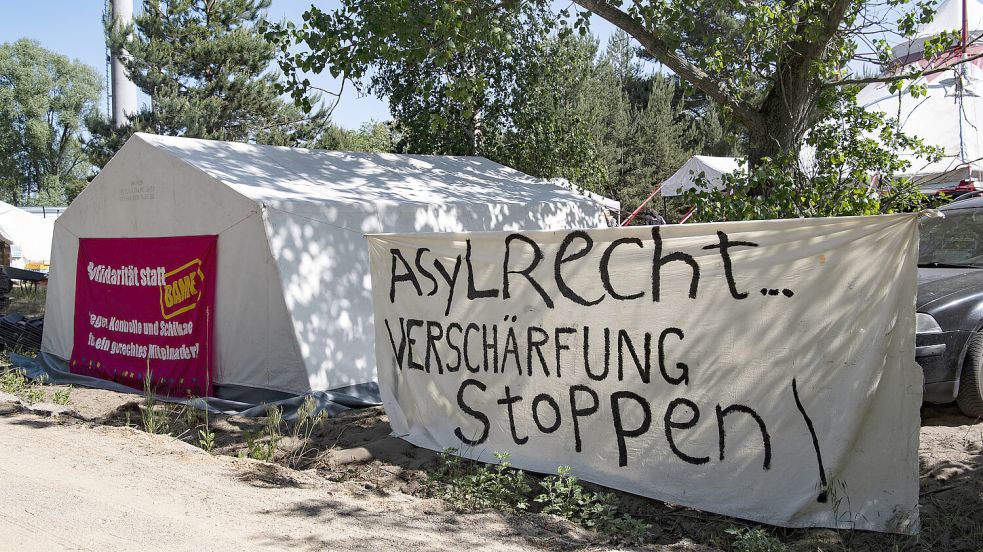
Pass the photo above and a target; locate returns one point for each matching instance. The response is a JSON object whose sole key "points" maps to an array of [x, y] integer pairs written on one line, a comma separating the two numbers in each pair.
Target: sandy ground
{"points": [[88, 482], [73, 487]]}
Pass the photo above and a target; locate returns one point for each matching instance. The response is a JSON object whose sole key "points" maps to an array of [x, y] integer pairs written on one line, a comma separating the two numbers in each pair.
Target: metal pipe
{"points": [[123, 90]]}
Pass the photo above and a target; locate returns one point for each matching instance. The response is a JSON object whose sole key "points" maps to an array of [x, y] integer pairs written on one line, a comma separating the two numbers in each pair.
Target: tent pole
{"points": [[639, 209], [689, 214]]}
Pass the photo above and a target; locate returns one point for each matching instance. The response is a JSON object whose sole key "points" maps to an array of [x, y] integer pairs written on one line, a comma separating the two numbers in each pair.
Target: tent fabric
{"points": [[293, 309], [28, 232], [607, 203], [713, 168], [944, 117]]}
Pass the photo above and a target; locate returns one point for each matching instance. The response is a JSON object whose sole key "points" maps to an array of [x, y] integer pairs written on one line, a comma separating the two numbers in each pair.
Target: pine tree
{"points": [[204, 65]]}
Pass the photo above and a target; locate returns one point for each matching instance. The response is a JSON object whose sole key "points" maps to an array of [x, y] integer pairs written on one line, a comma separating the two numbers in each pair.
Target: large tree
{"points": [[206, 68], [777, 67], [44, 100]]}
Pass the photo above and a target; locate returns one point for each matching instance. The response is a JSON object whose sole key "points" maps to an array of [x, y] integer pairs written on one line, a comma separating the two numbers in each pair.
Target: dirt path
{"points": [[89, 483], [75, 487]]}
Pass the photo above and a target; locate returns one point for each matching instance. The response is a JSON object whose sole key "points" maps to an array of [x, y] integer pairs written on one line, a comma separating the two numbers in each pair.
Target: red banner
{"points": [[146, 305]]}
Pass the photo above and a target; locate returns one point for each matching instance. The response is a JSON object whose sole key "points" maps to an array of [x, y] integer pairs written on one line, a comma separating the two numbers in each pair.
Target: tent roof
{"points": [[712, 167], [607, 203], [280, 175]]}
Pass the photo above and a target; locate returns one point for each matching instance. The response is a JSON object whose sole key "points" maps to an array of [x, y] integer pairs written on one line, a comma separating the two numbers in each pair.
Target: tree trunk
{"points": [[785, 117]]}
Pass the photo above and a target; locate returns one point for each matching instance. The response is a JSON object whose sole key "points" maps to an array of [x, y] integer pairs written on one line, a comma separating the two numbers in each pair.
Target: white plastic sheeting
{"points": [[946, 117], [293, 305], [29, 233], [756, 369]]}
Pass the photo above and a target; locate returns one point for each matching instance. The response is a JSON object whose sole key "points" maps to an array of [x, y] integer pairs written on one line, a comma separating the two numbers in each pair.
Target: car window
{"points": [[956, 239]]}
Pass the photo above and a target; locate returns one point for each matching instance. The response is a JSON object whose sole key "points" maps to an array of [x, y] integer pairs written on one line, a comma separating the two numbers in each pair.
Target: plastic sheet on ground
{"points": [[234, 400]]}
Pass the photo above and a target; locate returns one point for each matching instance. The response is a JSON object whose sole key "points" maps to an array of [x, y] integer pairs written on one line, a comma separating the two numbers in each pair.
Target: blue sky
{"points": [[74, 28]]}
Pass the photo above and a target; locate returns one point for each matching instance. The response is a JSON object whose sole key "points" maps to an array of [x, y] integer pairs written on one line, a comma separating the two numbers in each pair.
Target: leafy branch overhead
{"points": [[777, 67]]}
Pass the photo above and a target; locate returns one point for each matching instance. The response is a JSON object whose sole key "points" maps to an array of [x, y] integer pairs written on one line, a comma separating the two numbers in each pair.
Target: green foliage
{"points": [[205, 67], [555, 124], [768, 76], [308, 419], [755, 540], [564, 496], [13, 381], [62, 396], [849, 147], [264, 445], [472, 486], [645, 130], [206, 439], [153, 416], [549, 106], [44, 100], [371, 137]]}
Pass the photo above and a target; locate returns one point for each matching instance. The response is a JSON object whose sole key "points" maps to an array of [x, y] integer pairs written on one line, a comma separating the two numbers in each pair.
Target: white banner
{"points": [[763, 370]]}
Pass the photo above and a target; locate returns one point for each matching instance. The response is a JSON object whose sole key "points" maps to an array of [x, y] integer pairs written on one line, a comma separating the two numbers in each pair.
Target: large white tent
{"points": [[713, 170], [28, 234], [949, 116], [293, 307]]}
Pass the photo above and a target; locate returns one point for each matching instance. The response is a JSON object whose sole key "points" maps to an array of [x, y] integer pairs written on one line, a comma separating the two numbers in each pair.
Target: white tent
{"points": [[949, 116], [27, 233], [713, 168], [293, 307]]}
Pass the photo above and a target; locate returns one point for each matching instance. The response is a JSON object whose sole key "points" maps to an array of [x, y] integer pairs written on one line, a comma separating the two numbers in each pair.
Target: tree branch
{"points": [[679, 65], [871, 80], [831, 24]]}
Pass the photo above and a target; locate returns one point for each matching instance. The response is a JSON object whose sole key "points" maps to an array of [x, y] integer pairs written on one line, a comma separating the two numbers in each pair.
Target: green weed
{"points": [[472, 486], [152, 416], [307, 421], [755, 540], [62, 396], [564, 496], [263, 446], [206, 439], [14, 382]]}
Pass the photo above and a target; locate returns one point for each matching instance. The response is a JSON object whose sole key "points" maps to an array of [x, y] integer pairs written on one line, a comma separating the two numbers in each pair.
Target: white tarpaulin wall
{"points": [[713, 169], [944, 117], [28, 232], [292, 307], [778, 385]]}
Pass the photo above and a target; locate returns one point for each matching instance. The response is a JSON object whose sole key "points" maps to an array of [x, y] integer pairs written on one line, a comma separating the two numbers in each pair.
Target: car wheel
{"points": [[970, 398]]}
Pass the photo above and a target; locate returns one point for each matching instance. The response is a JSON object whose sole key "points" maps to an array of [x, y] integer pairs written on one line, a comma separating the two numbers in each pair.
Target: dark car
{"points": [[949, 323]]}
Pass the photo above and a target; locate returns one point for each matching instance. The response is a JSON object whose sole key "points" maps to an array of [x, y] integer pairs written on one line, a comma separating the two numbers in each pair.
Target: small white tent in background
{"points": [[950, 115], [292, 307], [29, 237], [712, 168]]}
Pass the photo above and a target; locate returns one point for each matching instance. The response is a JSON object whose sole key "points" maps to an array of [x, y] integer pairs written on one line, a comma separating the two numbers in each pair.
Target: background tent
{"points": [[949, 115], [28, 234], [712, 167], [293, 307]]}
